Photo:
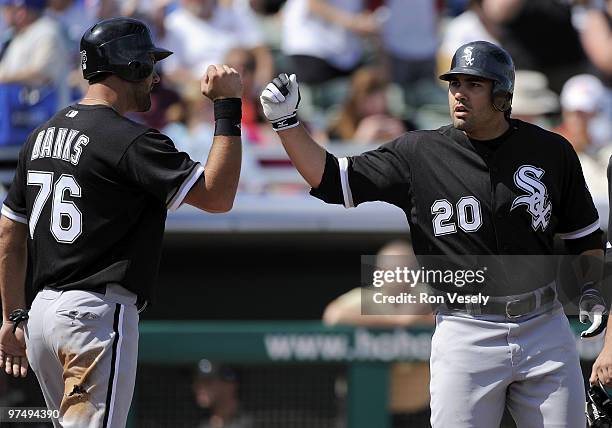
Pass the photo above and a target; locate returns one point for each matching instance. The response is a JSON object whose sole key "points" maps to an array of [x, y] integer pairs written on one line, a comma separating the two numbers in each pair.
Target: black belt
{"points": [[510, 308]]}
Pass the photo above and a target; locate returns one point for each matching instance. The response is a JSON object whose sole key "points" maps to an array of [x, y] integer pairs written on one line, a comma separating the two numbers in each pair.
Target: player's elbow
{"points": [[212, 198], [332, 315], [220, 201], [219, 207], [213, 204], [226, 208]]}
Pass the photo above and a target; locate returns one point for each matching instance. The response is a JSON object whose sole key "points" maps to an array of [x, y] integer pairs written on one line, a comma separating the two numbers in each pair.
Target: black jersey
{"points": [[94, 188], [463, 197]]}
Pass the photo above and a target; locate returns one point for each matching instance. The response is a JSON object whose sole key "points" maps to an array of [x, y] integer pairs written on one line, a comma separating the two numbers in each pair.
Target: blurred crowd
{"points": [[367, 68]]}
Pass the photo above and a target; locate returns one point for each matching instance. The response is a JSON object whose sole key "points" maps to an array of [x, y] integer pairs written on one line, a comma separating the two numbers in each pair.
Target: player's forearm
{"points": [[280, 100], [222, 173], [588, 267], [216, 192], [13, 259], [307, 155], [589, 271], [608, 335]]}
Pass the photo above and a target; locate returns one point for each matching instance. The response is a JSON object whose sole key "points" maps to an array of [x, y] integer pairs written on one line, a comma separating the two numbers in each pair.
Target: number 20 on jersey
{"points": [[468, 216]]}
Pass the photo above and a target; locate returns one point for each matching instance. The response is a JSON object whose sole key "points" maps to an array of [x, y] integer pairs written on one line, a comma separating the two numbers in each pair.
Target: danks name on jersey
{"points": [[63, 143]]}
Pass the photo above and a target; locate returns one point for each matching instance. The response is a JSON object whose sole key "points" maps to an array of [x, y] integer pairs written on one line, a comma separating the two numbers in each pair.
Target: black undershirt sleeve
{"points": [[592, 241], [330, 188]]}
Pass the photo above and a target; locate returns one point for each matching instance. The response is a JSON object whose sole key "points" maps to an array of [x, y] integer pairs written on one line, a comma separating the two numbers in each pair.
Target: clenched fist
{"points": [[221, 81], [280, 100]]}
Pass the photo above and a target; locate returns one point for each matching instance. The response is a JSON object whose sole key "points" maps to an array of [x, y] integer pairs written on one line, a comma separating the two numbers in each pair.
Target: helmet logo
{"points": [[84, 60], [467, 55]]}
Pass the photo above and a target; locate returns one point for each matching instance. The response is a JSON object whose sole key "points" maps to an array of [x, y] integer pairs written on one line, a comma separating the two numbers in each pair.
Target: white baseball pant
{"points": [[479, 366], [83, 348]]}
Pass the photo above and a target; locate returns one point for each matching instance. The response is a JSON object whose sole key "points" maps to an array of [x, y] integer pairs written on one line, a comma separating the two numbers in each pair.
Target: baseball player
{"points": [[485, 185], [601, 371], [90, 198]]}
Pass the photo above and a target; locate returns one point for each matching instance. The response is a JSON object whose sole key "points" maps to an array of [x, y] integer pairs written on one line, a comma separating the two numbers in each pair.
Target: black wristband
{"points": [[227, 127], [228, 108], [228, 115], [286, 123], [18, 316]]}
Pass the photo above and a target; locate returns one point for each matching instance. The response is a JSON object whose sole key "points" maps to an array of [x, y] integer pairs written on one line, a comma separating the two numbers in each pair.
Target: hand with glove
{"points": [[593, 309], [280, 100]]}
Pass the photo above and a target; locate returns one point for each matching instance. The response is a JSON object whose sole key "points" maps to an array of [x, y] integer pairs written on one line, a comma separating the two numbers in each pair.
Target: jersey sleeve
{"points": [[579, 217], [378, 175], [153, 163], [14, 206]]}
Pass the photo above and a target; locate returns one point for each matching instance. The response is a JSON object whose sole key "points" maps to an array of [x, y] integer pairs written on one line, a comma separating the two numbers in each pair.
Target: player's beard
{"points": [[143, 101], [465, 125], [143, 96], [474, 121]]}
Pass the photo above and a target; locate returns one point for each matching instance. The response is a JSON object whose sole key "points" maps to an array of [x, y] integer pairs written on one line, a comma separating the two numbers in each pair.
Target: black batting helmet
{"points": [[121, 46], [484, 59]]}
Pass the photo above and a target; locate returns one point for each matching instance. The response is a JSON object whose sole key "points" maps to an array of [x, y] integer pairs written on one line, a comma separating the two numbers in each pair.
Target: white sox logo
{"points": [[528, 177], [83, 60], [467, 55]]}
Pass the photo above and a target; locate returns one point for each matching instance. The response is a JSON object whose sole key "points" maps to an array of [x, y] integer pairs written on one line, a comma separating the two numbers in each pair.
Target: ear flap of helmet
{"points": [[502, 98], [140, 70]]}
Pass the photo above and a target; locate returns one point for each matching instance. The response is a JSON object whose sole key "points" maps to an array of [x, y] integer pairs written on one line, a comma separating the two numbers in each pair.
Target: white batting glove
{"points": [[592, 309], [280, 100]]}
